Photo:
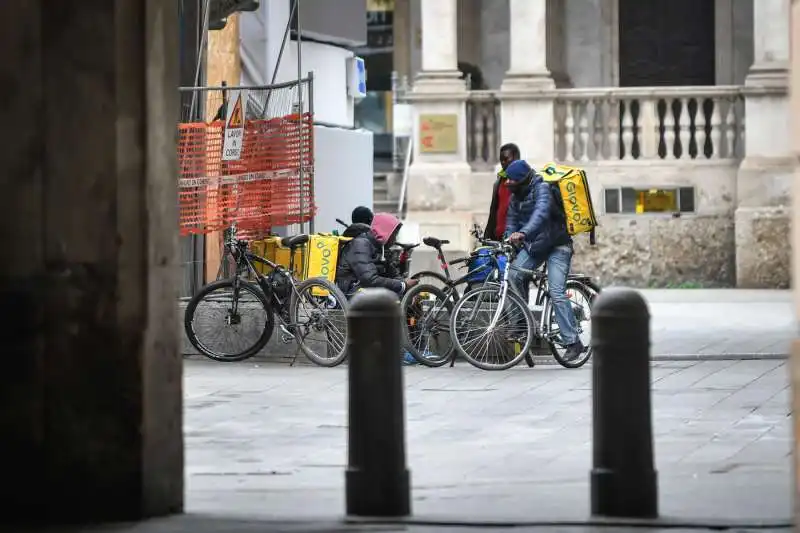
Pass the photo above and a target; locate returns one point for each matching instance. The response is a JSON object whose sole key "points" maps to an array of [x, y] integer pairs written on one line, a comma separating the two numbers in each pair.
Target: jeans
{"points": [[558, 264]]}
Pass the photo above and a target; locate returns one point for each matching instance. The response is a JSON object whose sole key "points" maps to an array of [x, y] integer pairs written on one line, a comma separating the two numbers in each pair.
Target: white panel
{"points": [[343, 174]]}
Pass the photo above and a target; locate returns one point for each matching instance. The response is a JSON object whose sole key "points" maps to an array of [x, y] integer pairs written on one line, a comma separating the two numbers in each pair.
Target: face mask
{"points": [[517, 187]]}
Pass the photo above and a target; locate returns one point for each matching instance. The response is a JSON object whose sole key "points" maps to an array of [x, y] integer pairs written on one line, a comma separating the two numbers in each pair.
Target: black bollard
{"points": [[623, 479], [377, 482]]}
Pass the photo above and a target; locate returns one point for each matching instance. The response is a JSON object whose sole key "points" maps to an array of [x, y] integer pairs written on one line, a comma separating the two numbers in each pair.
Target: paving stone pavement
{"points": [[720, 323], [686, 324], [268, 441]]}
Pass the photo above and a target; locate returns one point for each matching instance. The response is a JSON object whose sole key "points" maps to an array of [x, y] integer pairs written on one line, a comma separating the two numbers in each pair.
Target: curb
{"points": [[660, 523], [722, 357]]}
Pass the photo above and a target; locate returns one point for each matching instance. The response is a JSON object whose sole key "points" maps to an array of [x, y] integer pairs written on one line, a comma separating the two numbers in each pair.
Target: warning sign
{"points": [[234, 125]]}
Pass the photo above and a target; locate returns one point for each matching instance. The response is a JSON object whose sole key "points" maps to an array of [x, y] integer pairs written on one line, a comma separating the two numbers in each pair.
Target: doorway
{"points": [[666, 43]]}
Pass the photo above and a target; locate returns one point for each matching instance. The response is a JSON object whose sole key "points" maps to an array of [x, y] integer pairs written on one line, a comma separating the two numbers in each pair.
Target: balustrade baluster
{"points": [[701, 122], [569, 133], [648, 134], [613, 125], [716, 131], [730, 128], [491, 131], [669, 129], [583, 130], [597, 129], [627, 130], [685, 128], [478, 128]]}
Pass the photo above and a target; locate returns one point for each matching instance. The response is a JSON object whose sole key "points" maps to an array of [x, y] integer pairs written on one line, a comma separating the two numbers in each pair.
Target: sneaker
{"points": [[409, 359], [574, 351]]}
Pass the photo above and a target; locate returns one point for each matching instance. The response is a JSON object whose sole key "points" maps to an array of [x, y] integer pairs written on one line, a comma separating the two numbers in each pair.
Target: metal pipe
{"points": [[409, 153], [283, 44], [200, 54], [300, 111], [311, 113]]}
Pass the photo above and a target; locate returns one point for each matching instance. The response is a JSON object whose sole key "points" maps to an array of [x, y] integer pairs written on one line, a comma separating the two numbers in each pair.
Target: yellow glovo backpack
{"points": [[572, 192]]}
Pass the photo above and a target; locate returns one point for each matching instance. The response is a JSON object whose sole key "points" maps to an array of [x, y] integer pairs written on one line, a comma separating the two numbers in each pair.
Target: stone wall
{"points": [[654, 250], [649, 251]]}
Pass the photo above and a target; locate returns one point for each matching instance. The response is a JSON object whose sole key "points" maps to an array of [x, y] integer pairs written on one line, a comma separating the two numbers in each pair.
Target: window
{"points": [[639, 201]]}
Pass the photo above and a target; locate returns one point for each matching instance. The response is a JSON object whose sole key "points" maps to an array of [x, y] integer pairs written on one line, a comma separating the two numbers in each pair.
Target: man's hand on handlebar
{"points": [[516, 237]]}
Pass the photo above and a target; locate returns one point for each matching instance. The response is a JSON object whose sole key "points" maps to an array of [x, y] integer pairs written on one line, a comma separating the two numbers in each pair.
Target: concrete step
{"points": [[385, 206]]}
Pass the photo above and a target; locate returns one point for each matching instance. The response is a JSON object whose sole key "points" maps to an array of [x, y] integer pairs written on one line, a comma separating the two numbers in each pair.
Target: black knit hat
{"points": [[361, 215]]}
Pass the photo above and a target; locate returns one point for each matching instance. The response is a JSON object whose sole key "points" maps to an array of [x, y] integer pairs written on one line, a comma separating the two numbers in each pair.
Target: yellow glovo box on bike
{"points": [[322, 255], [575, 197], [271, 248]]}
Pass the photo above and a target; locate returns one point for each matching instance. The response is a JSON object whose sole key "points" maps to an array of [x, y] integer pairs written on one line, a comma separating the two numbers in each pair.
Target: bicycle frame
{"points": [[503, 291], [246, 260], [445, 265]]}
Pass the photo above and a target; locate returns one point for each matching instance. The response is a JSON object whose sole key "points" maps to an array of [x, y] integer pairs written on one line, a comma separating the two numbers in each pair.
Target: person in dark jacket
{"points": [[535, 222], [501, 195], [359, 266], [360, 221], [362, 215]]}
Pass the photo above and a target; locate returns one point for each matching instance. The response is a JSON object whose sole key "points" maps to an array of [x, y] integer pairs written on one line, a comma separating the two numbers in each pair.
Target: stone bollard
{"points": [[623, 478], [377, 482]]}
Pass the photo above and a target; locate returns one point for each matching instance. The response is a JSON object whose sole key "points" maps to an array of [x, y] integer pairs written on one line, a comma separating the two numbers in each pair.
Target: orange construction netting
{"points": [[260, 190]]}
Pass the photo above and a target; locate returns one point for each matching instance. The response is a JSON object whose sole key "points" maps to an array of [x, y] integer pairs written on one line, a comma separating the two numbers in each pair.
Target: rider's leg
{"points": [[558, 265], [518, 280]]}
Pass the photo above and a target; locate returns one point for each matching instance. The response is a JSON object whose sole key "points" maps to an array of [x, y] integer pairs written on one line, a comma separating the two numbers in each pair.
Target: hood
{"points": [[383, 226]]}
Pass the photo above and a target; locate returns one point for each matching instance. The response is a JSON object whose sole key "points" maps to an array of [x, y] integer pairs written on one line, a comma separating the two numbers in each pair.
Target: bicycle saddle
{"points": [[406, 247], [433, 242], [294, 241]]}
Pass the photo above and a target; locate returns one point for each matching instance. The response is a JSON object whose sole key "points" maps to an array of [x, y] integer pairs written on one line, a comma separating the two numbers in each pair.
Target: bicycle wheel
{"points": [[426, 325], [319, 322], [580, 298], [501, 347], [229, 312]]}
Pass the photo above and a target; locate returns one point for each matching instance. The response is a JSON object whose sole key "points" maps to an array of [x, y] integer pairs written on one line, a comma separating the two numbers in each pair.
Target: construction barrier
{"points": [[268, 183]]}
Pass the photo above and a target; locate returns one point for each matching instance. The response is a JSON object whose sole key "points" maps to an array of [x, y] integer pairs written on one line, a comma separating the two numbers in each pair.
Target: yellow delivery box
{"points": [[322, 257]]}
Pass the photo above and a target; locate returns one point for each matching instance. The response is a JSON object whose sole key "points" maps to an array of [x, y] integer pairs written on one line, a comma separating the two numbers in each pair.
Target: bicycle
{"points": [[278, 292], [509, 324], [426, 308], [429, 277]]}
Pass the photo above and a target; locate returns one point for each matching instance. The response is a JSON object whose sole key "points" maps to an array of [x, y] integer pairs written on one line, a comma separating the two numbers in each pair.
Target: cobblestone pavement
{"points": [[267, 440]]}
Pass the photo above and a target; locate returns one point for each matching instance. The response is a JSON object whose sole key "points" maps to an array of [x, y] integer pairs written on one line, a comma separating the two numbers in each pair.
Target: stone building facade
{"points": [[677, 109]]}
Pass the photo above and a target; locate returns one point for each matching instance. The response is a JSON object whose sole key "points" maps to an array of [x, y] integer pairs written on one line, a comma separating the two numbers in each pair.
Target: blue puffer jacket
{"points": [[532, 213]]}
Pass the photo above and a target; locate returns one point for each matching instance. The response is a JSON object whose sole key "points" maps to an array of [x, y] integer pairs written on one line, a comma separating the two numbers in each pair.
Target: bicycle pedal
{"points": [[287, 335]]}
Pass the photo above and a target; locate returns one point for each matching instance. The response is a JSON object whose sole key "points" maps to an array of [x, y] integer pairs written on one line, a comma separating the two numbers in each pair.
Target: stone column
{"points": [[438, 193], [439, 36], [794, 362], [764, 177], [90, 389], [527, 91], [528, 39]]}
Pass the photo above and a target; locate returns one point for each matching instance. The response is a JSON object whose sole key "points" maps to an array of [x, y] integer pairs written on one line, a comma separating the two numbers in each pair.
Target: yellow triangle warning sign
{"points": [[236, 120]]}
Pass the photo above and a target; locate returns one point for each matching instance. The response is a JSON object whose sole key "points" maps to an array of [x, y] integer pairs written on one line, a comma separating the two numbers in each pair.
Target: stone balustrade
{"points": [[647, 123], [623, 123], [483, 127]]}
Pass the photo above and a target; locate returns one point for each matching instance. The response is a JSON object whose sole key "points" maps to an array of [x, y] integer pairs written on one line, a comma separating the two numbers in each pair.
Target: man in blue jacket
{"points": [[538, 223]]}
